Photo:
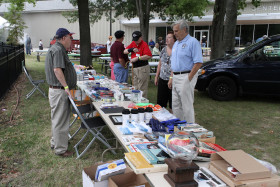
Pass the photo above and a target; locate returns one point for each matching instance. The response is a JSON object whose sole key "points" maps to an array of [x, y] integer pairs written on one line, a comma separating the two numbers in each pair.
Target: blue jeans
{"points": [[120, 72], [28, 50]]}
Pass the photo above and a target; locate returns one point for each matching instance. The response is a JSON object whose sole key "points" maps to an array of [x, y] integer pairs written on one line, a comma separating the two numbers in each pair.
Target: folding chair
{"points": [[84, 109], [94, 126], [35, 83]]}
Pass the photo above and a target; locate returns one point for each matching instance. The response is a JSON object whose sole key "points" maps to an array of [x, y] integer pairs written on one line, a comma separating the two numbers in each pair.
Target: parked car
{"points": [[254, 70]]}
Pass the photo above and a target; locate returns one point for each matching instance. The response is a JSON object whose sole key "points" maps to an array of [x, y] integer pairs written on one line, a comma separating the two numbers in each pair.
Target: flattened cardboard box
{"points": [[128, 180], [248, 167], [88, 175]]}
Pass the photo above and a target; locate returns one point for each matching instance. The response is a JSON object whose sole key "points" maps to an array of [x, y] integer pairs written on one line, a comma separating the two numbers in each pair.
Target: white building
{"points": [[45, 18]]}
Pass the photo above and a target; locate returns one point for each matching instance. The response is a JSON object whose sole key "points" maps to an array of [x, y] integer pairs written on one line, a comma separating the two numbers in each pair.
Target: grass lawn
{"points": [[248, 123]]}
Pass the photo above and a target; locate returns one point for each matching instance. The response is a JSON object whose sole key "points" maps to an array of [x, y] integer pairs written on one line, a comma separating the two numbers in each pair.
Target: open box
{"points": [[89, 176], [252, 173], [128, 180], [80, 97]]}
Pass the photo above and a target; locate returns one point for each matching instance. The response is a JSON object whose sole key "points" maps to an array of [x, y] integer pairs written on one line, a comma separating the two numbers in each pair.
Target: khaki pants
{"points": [[183, 97], [60, 116], [141, 79]]}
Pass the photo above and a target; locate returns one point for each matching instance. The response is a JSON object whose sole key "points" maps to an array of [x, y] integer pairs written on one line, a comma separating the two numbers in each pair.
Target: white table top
{"points": [[42, 51], [78, 51], [109, 58]]}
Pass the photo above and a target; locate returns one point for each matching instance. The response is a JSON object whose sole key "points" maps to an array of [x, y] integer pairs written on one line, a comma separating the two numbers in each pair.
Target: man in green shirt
{"points": [[61, 77]]}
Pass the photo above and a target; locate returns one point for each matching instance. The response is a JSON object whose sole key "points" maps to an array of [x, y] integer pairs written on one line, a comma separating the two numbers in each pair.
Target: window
{"points": [[162, 32], [237, 36], [273, 29], [268, 53], [260, 30], [246, 35]]}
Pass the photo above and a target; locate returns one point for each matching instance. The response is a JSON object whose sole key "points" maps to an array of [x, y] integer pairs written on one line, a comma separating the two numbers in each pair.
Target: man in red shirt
{"points": [[119, 58], [140, 54]]}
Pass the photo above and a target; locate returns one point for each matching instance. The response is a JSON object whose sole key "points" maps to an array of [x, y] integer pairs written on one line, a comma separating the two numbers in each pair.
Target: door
{"points": [[261, 74], [202, 35]]}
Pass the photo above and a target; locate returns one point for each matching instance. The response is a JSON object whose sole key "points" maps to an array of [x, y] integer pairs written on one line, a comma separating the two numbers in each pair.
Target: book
{"points": [[206, 178], [143, 145], [151, 152], [138, 160], [133, 139], [150, 137], [206, 149]]}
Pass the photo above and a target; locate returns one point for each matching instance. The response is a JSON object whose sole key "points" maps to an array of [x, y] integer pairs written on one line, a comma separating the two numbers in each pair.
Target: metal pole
{"points": [[110, 19]]}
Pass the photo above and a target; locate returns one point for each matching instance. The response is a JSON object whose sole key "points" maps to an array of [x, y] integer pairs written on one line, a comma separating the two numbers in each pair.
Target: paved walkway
{"points": [[206, 58]]}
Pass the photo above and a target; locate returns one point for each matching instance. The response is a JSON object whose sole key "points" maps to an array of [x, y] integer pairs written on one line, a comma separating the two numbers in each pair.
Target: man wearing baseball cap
{"points": [[61, 77], [140, 54]]}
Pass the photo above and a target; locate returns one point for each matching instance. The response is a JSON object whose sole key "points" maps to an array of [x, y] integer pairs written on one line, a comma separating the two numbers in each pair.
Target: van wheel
{"points": [[222, 89]]}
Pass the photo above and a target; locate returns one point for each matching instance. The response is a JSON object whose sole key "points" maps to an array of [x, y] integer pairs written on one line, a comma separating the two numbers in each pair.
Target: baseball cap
{"points": [[62, 32], [119, 34], [136, 35]]}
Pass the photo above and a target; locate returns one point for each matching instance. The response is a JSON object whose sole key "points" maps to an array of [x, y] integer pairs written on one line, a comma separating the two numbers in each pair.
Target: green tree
{"points": [[16, 24], [223, 30], [144, 9]]}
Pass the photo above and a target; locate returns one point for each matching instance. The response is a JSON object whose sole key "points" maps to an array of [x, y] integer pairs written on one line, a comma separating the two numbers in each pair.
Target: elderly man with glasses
{"points": [[61, 77], [186, 59]]}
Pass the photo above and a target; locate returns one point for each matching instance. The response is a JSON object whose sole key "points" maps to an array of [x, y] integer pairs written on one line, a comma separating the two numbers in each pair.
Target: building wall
{"points": [[43, 25], [45, 18]]}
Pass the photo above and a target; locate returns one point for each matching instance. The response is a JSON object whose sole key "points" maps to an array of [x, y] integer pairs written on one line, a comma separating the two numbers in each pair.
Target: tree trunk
{"points": [[230, 25], [217, 29], [143, 12], [85, 40]]}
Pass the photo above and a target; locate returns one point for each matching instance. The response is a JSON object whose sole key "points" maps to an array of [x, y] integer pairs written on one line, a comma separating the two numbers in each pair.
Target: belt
{"points": [[140, 63], [57, 87], [181, 72]]}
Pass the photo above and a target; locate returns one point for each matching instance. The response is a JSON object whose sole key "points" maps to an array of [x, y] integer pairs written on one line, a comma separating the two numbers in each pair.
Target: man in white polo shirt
{"points": [[186, 59]]}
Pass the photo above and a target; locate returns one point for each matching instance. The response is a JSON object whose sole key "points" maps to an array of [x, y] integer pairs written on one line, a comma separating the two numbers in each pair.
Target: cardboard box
{"points": [[128, 180], [80, 96], [248, 167], [88, 175], [273, 181], [252, 173], [104, 171]]}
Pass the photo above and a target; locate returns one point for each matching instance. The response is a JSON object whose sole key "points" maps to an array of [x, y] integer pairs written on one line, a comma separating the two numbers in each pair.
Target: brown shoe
{"points": [[66, 154]]}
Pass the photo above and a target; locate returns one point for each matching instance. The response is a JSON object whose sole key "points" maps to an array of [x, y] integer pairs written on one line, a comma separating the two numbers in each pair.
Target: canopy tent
{"points": [[3, 31], [3, 22]]}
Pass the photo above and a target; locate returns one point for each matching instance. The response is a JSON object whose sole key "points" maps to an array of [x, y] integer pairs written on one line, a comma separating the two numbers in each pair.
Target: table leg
{"points": [[110, 149], [38, 57], [106, 67]]}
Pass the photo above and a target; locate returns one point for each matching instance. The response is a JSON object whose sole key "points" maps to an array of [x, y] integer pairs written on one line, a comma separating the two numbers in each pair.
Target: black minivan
{"points": [[253, 70]]}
